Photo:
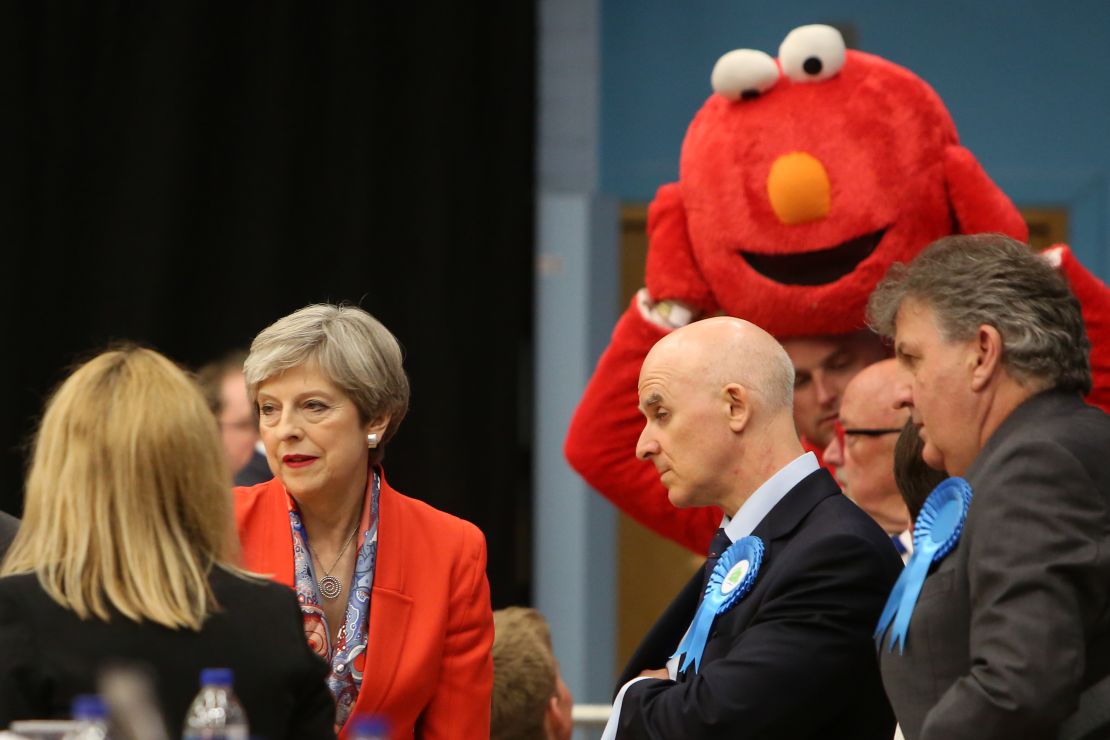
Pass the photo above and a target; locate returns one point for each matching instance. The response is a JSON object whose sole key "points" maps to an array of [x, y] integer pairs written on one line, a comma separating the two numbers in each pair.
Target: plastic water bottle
{"points": [[369, 727], [216, 713], [91, 716]]}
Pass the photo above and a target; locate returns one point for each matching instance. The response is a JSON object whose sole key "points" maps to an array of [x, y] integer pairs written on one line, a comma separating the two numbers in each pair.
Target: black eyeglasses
{"points": [[841, 432]]}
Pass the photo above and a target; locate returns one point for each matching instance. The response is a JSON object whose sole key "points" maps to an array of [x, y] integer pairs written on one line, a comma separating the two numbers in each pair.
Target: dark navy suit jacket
{"points": [[48, 655], [795, 658]]}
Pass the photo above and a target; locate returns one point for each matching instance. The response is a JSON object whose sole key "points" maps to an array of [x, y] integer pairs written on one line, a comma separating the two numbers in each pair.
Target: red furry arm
{"points": [[671, 273], [977, 203], [1094, 300], [601, 441]]}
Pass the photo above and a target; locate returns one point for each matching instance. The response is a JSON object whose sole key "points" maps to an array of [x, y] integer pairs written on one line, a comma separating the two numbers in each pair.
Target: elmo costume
{"points": [[801, 181]]}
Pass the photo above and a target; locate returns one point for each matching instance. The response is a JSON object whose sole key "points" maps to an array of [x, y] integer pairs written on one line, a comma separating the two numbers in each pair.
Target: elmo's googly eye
{"points": [[744, 74], [812, 53]]}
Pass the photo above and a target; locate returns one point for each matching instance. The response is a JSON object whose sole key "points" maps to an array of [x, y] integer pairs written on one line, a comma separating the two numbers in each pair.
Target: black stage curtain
{"points": [[182, 174]]}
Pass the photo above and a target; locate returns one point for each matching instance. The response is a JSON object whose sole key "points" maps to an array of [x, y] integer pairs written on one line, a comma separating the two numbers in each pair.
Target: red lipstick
{"points": [[298, 461]]}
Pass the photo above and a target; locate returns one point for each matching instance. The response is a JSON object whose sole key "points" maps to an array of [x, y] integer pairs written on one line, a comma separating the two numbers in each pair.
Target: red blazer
{"points": [[429, 664]]}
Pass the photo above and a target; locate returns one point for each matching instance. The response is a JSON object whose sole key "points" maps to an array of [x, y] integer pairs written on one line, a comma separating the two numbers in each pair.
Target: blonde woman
{"points": [[393, 592], [125, 555]]}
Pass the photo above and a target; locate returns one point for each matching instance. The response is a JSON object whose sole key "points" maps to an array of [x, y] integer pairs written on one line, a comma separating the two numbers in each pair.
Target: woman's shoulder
{"points": [[261, 500], [430, 519], [247, 588], [257, 492], [21, 586], [18, 582], [23, 599], [268, 609]]}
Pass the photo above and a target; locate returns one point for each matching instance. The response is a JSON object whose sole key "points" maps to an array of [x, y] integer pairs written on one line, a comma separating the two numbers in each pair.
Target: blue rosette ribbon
{"points": [[935, 534], [731, 580]]}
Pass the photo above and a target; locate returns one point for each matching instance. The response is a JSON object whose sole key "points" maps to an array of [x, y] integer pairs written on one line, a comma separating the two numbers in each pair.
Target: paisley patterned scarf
{"points": [[347, 658]]}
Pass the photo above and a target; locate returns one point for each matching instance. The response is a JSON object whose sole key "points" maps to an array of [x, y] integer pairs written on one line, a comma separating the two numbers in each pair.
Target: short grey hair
{"points": [[972, 280], [778, 380], [349, 346], [762, 366]]}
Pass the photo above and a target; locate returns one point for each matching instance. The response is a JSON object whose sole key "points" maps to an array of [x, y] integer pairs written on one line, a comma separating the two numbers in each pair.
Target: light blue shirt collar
{"points": [[751, 513]]}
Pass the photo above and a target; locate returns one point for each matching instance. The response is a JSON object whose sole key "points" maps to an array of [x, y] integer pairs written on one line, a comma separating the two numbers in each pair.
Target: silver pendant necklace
{"points": [[330, 586]]}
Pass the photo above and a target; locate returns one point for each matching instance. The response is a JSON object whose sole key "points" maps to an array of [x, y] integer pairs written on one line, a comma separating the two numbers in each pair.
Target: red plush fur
{"points": [[894, 165]]}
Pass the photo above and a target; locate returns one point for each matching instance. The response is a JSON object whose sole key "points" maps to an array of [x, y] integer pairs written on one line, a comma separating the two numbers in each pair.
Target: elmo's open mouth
{"points": [[815, 268]]}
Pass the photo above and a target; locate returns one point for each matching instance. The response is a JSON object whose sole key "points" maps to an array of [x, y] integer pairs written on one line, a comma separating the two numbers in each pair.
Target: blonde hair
{"points": [[128, 501], [524, 674], [350, 347]]}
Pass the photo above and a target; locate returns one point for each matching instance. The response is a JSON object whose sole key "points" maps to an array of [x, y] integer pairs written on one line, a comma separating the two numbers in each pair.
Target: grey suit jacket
{"points": [[8, 527], [1014, 624]]}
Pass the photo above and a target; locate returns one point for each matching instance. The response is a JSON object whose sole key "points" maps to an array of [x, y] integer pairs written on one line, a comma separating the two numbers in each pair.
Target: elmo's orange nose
{"points": [[799, 188]]}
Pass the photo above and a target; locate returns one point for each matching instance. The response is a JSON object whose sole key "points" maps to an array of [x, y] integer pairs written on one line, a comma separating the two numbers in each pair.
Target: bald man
{"points": [[863, 449], [717, 397], [823, 367]]}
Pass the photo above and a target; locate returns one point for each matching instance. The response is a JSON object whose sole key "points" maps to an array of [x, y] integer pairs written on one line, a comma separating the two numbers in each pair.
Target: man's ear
{"points": [[557, 724], [987, 356], [739, 406]]}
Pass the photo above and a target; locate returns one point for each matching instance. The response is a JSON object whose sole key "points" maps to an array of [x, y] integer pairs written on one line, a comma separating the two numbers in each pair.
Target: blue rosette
{"points": [[935, 534], [731, 580]]}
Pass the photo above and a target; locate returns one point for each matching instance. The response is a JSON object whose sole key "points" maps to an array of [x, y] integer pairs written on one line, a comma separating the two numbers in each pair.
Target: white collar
{"points": [[751, 513]]}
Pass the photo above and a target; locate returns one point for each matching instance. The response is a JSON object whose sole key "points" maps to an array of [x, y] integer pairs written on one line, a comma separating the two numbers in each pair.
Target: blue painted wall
{"points": [[1027, 82]]}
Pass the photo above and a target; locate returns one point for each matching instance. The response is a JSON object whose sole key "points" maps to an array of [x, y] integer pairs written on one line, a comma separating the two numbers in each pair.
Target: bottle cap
{"points": [[88, 706], [216, 677], [370, 724]]}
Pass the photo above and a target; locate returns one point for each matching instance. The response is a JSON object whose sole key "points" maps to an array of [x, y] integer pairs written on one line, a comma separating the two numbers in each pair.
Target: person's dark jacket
{"points": [[794, 659], [50, 655], [9, 525]]}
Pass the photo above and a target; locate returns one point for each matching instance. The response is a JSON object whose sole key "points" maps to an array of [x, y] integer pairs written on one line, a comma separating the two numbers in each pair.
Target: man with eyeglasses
{"points": [[862, 449], [823, 367]]}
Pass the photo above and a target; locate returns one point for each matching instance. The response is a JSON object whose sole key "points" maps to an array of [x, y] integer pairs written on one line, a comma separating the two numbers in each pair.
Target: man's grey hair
{"points": [[766, 370], [972, 280], [747, 355], [778, 380]]}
